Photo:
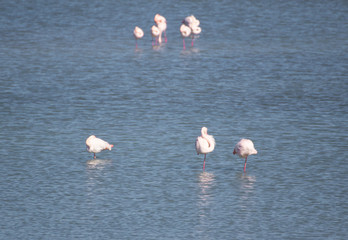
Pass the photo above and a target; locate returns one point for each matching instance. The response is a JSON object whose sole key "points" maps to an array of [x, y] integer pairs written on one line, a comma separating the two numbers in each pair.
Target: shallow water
{"points": [[274, 72]]}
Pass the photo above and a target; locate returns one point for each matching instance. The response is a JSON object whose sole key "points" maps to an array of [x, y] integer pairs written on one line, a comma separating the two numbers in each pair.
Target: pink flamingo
{"points": [[96, 145], [185, 32], [138, 33], [155, 32], [205, 144], [161, 23], [244, 148], [195, 31]]}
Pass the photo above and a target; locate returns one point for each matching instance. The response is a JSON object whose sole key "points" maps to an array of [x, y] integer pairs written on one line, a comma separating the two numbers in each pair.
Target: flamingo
{"points": [[159, 19], [205, 144], [138, 33], [96, 145], [185, 32], [244, 148], [195, 31], [155, 32], [193, 24], [162, 26]]}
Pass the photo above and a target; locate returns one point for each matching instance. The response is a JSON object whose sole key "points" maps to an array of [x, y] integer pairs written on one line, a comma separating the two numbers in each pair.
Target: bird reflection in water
{"points": [[97, 164], [206, 182], [205, 199], [247, 189]]}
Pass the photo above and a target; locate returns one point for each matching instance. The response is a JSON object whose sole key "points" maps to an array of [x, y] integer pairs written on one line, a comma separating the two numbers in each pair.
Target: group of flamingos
{"points": [[189, 28], [204, 145]]}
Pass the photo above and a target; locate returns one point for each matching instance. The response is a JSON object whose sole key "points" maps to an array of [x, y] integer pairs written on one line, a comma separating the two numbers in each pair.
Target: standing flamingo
{"points": [[244, 148], [185, 32], [160, 20], [193, 24], [96, 145], [155, 32], [195, 31], [205, 144], [138, 33], [162, 26]]}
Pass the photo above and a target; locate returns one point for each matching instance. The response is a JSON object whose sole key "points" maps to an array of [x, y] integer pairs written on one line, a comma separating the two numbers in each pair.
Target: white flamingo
{"points": [[205, 144], [96, 145], [244, 148], [185, 32], [138, 33]]}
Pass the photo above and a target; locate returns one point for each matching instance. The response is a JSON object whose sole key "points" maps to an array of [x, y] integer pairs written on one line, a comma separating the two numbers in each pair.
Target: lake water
{"points": [[272, 71]]}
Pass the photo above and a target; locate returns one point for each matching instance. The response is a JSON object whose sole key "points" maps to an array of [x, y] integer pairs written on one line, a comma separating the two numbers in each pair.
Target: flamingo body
{"points": [[244, 148], [96, 145], [185, 32], [205, 144], [155, 32], [138, 33]]}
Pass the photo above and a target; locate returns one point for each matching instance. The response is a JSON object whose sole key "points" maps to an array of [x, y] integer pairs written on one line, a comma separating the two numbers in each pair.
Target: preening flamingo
{"points": [[96, 145], [185, 32], [205, 144], [244, 148], [138, 33]]}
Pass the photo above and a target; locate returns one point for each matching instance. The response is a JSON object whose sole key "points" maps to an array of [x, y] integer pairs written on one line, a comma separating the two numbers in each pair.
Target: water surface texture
{"points": [[272, 71]]}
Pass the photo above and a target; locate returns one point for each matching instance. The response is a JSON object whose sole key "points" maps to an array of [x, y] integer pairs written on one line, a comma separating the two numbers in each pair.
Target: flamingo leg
{"points": [[165, 37], [94, 156], [205, 155], [192, 42], [245, 163], [183, 41], [136, 43]]}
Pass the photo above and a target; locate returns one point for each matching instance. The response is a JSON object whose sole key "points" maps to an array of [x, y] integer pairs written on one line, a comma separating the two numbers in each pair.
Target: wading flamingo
{"points": [[155, 32], [162, 26], [195, 31], [160, 20], [244, 148], [96, 145], [205, 144], [138, 33], [185, 32]]}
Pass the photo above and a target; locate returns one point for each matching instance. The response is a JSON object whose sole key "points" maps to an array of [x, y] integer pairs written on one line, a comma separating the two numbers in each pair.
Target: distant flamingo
{"points": [[185, 32], [244, 148], [205, 144], [195, 31], [155, 32], [193, 24], [138, 33], [162, 26], [160, 20], [96, 145]]}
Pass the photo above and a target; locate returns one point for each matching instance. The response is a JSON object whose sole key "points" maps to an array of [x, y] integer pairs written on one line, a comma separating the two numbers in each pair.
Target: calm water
{"points": [[272, 71]]}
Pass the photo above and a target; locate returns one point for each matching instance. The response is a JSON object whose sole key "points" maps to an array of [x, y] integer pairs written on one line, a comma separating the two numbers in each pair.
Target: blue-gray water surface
{"points": [[272, 71]]}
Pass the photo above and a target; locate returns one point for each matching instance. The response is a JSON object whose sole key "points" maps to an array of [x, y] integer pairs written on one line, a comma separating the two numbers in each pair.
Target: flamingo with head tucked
{"points": [[96, 145], [244, 148], [185, 32], [155, 32], [205, 144], [138, 33]]}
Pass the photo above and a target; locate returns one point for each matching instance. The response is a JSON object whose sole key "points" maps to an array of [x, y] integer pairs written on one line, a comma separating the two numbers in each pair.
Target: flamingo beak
{"points": [[234, 152]]}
